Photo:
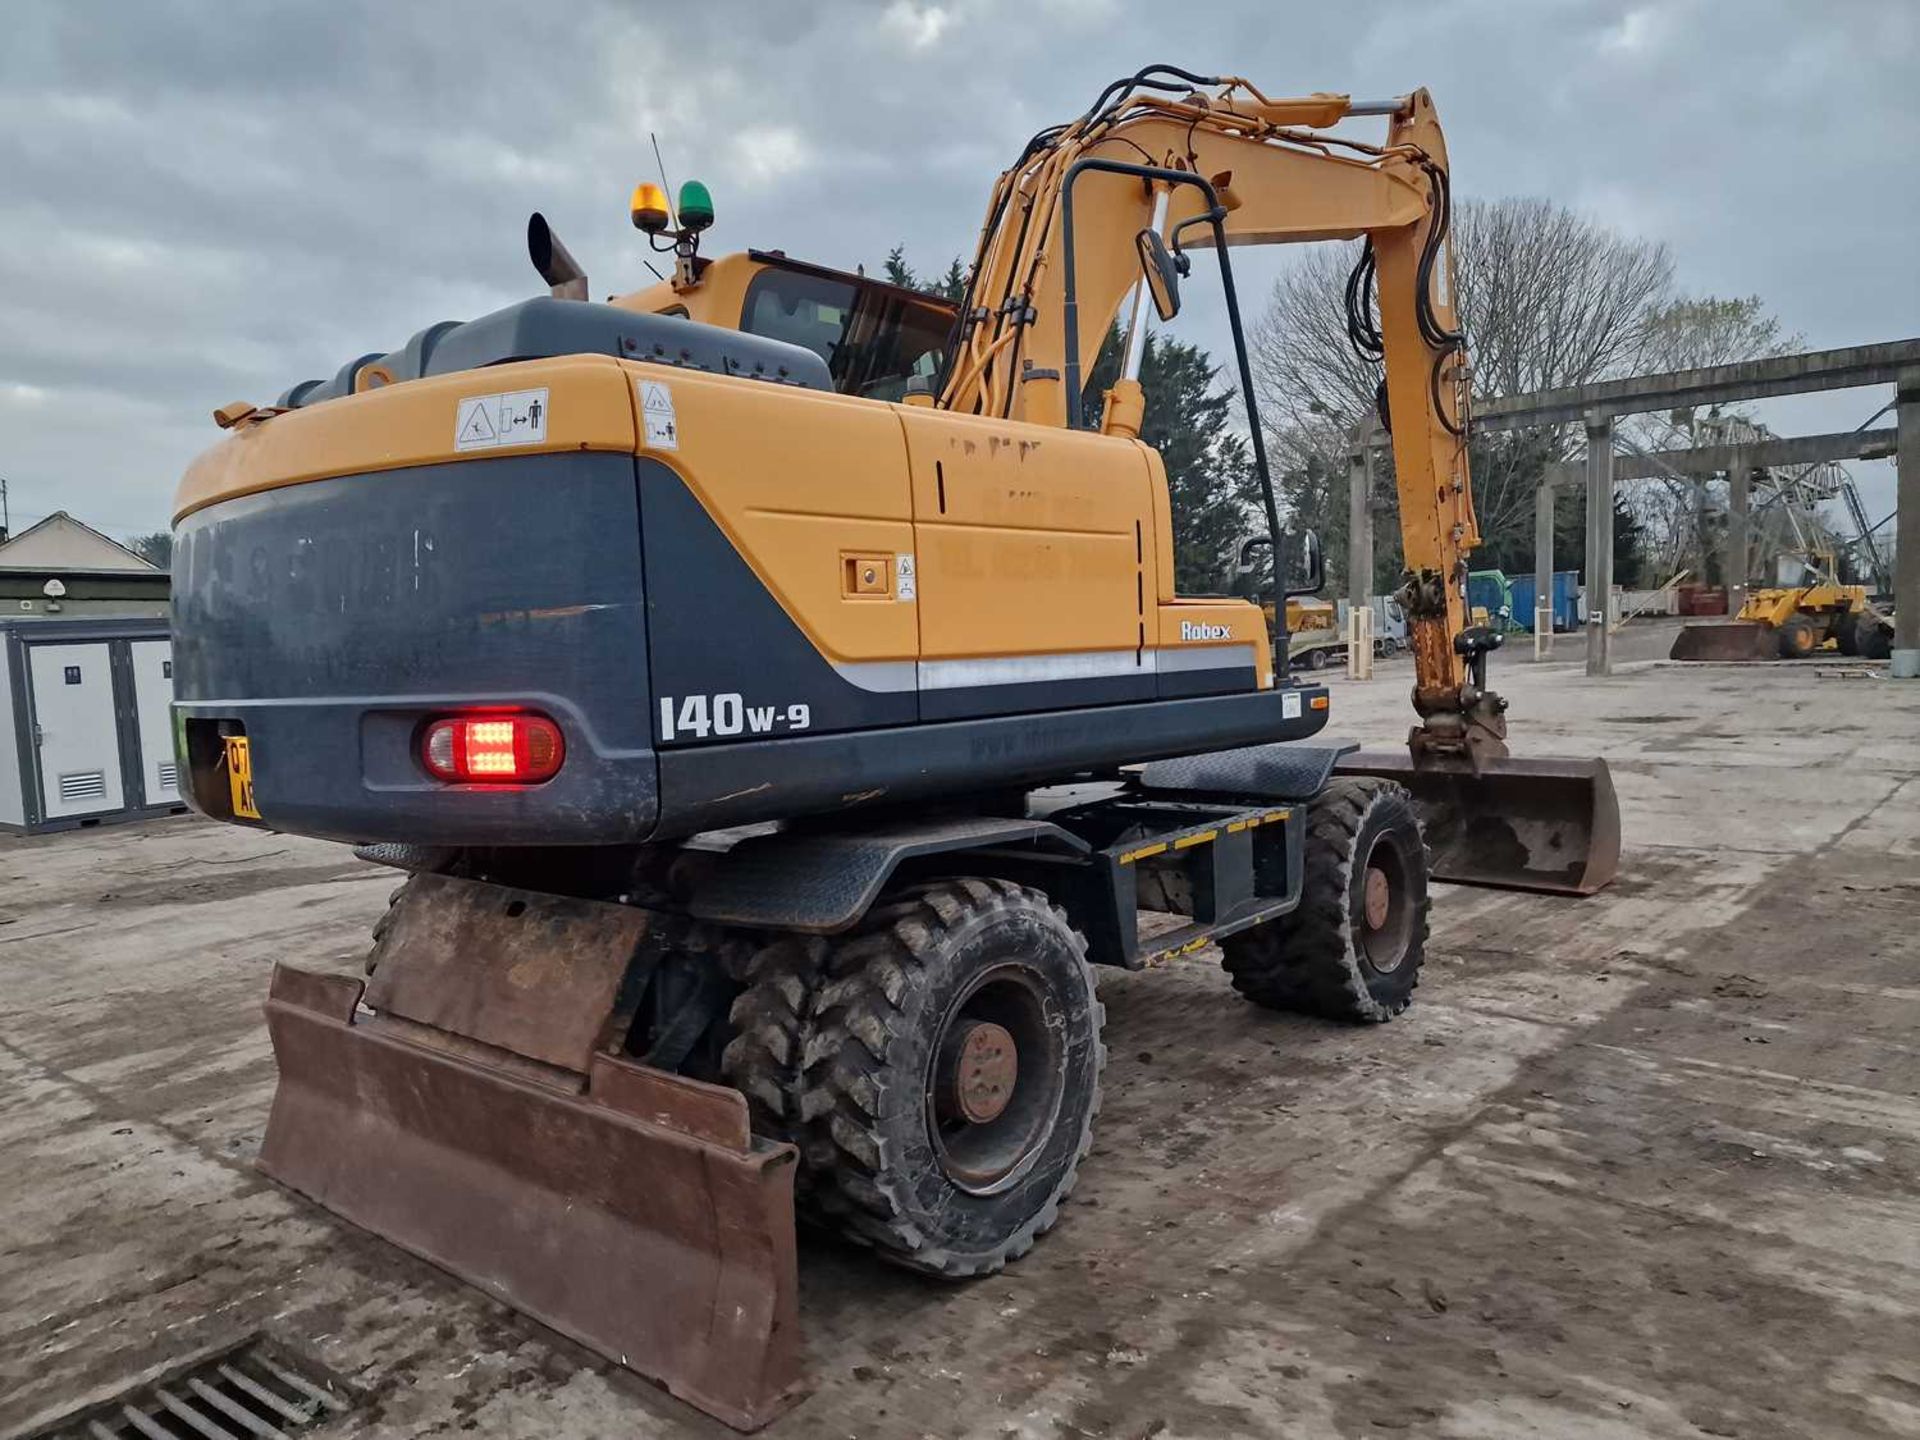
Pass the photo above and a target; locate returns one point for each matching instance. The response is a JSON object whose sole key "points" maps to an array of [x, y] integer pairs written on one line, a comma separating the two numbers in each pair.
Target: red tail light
{"points": [[494, 749]]}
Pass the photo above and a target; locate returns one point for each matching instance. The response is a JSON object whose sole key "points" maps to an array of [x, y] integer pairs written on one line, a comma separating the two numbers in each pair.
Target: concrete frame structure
{"points": [[1597, 406]]}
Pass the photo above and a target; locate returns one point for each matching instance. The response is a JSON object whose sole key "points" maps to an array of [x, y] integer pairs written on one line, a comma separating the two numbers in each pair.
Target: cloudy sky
{"points": [[202, 202]]}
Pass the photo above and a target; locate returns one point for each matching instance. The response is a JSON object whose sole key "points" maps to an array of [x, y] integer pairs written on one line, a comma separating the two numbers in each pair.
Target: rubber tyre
{"points": [[873, 1145], [1316, 660], [385, 922], [1873, 640], [1846, 635], [1317, 961], [772, 1020], [1797, 640]]}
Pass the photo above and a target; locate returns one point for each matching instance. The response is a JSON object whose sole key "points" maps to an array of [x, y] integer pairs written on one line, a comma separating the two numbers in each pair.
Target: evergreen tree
{"points": [[953, 285], [1211, 482], [950, 286]]}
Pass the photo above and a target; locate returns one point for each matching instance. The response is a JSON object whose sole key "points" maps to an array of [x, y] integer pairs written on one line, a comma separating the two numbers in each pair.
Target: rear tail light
{"points": [[494, 749]]}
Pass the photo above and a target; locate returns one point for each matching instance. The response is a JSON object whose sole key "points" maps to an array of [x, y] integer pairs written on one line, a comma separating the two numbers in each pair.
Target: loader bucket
{"points": [[1546, 824], [626, 1207], [1728, 640]]}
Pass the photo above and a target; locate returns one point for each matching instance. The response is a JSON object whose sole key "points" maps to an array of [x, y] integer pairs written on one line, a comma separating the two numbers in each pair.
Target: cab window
{"points": [[808, 310]]}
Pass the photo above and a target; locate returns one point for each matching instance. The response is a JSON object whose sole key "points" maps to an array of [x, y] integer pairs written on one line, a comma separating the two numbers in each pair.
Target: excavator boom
{"points": [[1212, 160]]}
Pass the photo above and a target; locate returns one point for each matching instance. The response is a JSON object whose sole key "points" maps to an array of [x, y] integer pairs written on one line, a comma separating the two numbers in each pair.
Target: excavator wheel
{"points": [[1797, 640], [385, 922], [1353, 949], [1872, 638], [953, 1075], [772, 1023], [1846, 635]]}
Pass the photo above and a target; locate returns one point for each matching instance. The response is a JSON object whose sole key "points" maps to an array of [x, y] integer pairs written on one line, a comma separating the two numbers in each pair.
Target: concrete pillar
{"points": [[1543, 565], [1360, 517], [1739, 483], [1701, 551], [1906, 561], [1599, 544]]}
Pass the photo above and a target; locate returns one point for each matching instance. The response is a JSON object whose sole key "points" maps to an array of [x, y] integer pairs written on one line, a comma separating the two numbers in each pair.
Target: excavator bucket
{"points": [[1546, 824], [1726, 640], [471, 1113]]}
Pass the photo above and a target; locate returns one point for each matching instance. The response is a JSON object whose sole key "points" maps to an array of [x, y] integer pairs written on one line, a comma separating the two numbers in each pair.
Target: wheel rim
{"points": [[995, 1083], [1385, 922]]}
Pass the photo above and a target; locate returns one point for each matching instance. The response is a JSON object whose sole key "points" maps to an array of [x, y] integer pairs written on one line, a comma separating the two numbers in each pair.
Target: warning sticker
{"points": [[903, 580], [656, 411], [488, 422], [1290, 705]]}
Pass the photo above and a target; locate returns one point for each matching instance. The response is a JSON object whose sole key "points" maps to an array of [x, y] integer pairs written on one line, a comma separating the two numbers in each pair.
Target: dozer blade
{"points": [[1727, 640], [1546, 824], [626, 1207]]}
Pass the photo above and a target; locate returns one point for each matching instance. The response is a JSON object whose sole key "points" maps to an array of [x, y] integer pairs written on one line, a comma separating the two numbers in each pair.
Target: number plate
{"points": [[240, 777]]}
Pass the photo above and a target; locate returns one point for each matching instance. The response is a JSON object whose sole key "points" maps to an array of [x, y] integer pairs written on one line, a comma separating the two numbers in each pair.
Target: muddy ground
{"points": [[1647, 1164]]}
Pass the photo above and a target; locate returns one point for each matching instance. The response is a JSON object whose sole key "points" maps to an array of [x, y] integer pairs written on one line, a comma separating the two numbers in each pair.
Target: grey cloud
{"points": [[205, 202]]}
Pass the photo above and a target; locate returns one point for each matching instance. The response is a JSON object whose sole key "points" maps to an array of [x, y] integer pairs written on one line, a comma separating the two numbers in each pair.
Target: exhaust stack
{"points": [[564, 277]]}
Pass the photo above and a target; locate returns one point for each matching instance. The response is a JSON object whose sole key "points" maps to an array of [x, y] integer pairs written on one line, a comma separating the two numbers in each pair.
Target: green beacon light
{"points": [[695, 207]]}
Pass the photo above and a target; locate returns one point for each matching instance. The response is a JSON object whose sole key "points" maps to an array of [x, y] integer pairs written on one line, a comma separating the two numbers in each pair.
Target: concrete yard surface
{"points": [[1641, 1165]]}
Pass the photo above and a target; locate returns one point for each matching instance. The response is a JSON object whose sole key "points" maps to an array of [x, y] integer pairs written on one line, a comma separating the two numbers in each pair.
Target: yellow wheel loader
{"points": [[779, 698], [1786, 624]]}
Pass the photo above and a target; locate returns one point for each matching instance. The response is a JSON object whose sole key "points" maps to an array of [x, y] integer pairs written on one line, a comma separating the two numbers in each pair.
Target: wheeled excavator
{"points": [[777, 695]]}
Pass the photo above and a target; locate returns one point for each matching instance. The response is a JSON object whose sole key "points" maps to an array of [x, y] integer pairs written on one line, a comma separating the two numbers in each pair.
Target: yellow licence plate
{"points": [[240, 777]]}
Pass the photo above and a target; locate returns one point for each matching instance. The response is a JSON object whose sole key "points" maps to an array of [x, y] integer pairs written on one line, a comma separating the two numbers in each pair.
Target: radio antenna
{"points": [[673, 219]]}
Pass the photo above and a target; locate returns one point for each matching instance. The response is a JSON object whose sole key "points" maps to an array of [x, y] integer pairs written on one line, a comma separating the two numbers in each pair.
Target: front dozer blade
{"points": [[1726, 640], [626, 1207], [1546, 824]]}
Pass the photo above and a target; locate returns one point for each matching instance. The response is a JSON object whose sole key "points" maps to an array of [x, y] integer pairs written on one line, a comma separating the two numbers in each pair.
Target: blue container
{"points": [[1566, 601]]}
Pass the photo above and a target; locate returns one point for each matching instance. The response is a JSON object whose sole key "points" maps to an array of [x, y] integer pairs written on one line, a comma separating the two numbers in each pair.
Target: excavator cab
{"points": [[877, 339]]}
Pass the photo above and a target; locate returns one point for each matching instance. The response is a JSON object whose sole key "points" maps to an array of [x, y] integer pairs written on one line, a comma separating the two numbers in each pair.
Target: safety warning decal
{"points": [[904, 586], [488, 422], [1290, 705], [656, 411]]}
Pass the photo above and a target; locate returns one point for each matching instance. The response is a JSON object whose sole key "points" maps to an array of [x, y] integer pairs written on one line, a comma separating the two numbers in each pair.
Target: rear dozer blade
{"points": [[1727, 640], [624, 1206], [1546, 824]]}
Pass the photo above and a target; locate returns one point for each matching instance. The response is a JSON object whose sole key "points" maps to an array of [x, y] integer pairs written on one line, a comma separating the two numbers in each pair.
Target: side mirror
{"points": [[1162, 272], [1302, 562]]}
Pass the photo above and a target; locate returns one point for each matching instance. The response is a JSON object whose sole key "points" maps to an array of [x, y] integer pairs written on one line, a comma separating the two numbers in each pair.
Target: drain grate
{"points": [[239, 1394]]}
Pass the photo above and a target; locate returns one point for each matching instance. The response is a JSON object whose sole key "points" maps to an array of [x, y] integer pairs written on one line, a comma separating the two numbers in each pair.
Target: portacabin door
{"points": [[152, 664], [76, 738]]}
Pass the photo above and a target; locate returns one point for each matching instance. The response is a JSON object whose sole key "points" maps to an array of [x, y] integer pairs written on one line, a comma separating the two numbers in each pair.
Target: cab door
{"points": [[1033, 549]]}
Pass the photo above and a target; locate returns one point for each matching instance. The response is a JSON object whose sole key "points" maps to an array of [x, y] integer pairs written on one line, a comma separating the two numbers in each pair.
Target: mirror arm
{"points": [[1137, 322]]}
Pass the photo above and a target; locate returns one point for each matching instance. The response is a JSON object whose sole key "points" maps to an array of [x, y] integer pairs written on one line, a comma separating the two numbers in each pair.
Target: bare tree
{"points": [[1548, 298]]}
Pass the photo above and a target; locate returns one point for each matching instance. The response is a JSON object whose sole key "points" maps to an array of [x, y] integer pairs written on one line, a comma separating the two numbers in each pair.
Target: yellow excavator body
{"points": [[779, 697]]}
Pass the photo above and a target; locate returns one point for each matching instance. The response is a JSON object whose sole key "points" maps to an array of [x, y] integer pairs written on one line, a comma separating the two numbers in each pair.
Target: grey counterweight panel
{"points": [[331, 619]]}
